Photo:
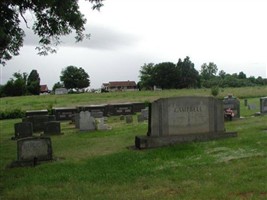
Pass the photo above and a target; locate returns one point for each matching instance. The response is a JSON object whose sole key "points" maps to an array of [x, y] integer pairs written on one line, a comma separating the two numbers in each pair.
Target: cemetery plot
{"points": [[184, 119]]}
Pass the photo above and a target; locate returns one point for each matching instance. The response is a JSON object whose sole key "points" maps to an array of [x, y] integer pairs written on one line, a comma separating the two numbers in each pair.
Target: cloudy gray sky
{"points": [[125, 34]]}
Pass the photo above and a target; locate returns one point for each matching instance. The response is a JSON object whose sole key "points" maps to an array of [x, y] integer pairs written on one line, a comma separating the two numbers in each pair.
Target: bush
{"points": [[12, 114], [215, 91]]}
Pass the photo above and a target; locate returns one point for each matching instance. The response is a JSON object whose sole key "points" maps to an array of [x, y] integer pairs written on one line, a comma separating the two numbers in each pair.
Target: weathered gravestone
{"points": [[32, 150], [38, 121], [64, 113], [86, 121], [252, 107], [263, 104], [129, 119], [140, 118], [144, 113], [36, 112], [52, 128], [23, 130], [97, 114], [101, 125], [120, 109], [183, 119], [232, 103]]}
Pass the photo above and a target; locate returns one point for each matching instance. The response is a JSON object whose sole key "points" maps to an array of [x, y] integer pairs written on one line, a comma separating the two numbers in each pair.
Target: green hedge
{"points": [[12, 114]]}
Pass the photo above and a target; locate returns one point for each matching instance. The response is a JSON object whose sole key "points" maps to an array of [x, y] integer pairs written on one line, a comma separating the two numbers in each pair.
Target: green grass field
{"points": [[100, 164]]}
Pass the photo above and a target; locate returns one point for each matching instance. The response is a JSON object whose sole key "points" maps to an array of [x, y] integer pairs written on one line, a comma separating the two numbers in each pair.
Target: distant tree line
{"points": [[168, 75], [22, 84], [72, 78]]}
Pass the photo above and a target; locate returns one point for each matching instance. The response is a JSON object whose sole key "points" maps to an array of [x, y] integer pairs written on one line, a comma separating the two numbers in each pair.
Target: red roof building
{"points": [[120, 86], [44, 89]]}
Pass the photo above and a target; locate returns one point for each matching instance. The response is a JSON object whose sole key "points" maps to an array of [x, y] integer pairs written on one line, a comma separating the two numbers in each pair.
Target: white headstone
{"points": [[86, 122]]}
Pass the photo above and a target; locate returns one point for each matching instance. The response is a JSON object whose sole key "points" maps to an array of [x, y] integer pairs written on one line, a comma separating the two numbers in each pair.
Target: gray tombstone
{"points": [[144, 113], [52, 128], [33, 148], [36, 112], [86, 121], [263, 105], [140, 118], [183, 119], [252, 107], [97, 114], [23, 130], [77, 120], [38, 121], [232, 103], [129, 119], [101, 124]]}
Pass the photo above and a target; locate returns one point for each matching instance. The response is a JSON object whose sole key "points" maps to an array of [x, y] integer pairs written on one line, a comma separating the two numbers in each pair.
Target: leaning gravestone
{"points": [[263, 104], [52, 128], [86, 121], [23, 130], [233, 103], [183, 119], [33, 150]]}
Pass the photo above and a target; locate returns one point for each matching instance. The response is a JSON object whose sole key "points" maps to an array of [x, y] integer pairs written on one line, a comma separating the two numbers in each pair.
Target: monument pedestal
{"points": [[145, 142]]}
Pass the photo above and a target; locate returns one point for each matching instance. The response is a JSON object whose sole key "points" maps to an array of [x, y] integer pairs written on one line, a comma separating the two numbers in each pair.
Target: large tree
{"points": [[74, 78], [165, 75], [188, 75], [15, 86], [53, 18], [33, 83]]}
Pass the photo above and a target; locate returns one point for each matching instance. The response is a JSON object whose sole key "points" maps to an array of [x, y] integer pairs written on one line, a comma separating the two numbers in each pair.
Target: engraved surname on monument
{"points": [[31, 149], [188, 116]]}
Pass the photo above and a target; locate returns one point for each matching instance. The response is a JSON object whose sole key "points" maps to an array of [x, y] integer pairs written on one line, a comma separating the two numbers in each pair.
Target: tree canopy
{"points": [[33, 83], [74, 78], [167, 75], [53, 18]]}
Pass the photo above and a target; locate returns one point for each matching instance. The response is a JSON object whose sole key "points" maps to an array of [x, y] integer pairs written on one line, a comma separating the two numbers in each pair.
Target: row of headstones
{"points": [[96, 110], [32, 124], [263, 105], [84, 121], [33, 150], [234, 104]]}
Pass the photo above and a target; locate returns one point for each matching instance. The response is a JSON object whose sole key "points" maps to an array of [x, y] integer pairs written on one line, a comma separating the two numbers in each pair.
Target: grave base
{"points": [[144, 142]]}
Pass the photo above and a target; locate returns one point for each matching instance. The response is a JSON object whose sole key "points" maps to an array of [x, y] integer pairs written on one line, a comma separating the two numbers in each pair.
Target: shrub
{"points": [[215, 91], [12, 114]]}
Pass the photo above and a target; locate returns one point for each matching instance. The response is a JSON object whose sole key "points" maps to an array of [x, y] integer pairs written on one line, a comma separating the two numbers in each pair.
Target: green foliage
{"points": [[15, 86], [208, 71], [57, 85], [12, 114], [167, 75], [215, 91], [188, 76], [74, 78], [33, 83], [53, 19]]}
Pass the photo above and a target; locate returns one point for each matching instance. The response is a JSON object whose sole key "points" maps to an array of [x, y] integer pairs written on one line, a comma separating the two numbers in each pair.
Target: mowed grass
{"points": [[48, 101], [102, 165]]}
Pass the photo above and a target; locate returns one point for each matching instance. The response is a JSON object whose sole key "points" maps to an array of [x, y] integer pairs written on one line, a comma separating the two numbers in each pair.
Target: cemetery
{"points": [[162, 150]]}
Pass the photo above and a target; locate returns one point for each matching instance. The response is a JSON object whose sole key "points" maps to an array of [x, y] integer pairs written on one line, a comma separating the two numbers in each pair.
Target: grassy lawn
{"points": [[99, 164]]}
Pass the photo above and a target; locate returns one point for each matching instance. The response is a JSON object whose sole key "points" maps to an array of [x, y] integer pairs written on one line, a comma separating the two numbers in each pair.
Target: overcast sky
{"points": [[125, 34]]}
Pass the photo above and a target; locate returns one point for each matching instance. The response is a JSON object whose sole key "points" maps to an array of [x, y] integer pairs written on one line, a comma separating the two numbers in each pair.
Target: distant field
{"points": [[48, 101]]}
